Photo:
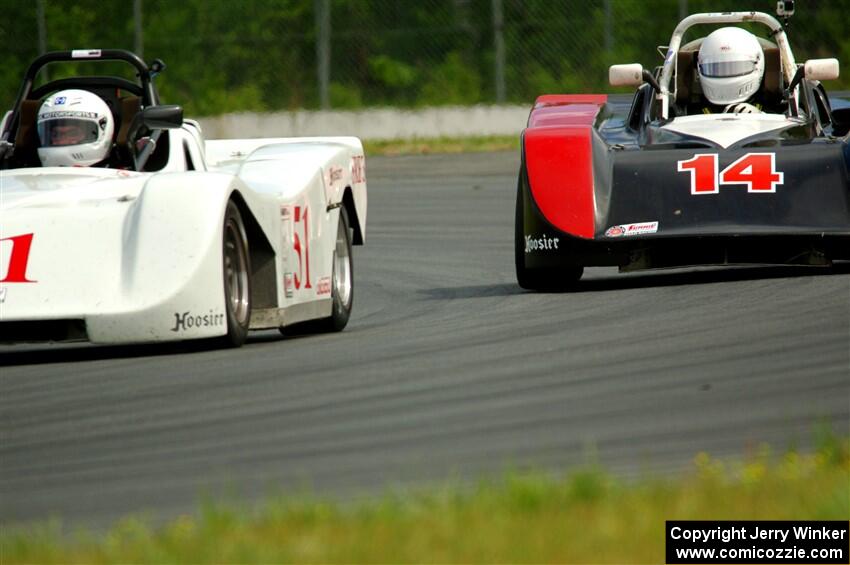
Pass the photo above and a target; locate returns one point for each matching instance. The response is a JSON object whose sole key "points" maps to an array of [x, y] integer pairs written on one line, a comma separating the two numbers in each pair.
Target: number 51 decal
{"points": [[302, 251], [756, 170]]}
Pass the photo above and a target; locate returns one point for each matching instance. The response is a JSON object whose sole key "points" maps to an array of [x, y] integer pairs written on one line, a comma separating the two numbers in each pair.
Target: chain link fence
{"points": [[255, 55]]}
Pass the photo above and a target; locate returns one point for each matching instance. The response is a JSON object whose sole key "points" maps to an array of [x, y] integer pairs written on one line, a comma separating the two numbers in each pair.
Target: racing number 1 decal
{"points": [[703, 170], [756, 170], [18, 258], [301, 216]]}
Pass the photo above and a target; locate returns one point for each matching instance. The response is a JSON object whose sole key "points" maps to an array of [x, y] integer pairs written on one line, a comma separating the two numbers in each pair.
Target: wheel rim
{"points": [[236, 272], [342, 267]]}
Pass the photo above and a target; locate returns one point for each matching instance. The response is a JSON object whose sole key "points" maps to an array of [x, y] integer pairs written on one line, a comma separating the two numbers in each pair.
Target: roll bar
{"points": [[145, 74], [789, 66]]}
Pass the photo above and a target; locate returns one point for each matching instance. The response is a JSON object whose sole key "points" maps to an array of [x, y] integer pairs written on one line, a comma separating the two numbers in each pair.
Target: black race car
{"points": [[667, 181]]}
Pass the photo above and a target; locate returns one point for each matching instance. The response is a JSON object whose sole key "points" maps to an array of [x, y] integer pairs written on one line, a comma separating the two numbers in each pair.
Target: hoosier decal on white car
{"points": [[626, 230], [188, 320]]}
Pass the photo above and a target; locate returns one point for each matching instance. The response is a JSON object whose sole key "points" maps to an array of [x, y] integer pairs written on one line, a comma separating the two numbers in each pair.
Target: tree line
{"points": [[261, 55]]}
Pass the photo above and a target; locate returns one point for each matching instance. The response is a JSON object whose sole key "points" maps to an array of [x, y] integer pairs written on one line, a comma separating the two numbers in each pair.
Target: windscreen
{"points": [[67, 131], [722, 69]]}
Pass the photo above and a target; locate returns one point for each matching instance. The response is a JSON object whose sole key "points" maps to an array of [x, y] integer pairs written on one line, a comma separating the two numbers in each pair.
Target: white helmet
{"points": [[731, 65], [74, 128]]}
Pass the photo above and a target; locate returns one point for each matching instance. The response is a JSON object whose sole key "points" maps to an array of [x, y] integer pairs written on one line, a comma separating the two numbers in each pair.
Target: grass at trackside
{"points": [[588, 516], [441, 145]]}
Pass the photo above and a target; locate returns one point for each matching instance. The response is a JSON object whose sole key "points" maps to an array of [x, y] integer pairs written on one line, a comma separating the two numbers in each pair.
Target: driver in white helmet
{"points": [[730, 69], [75, 128]]}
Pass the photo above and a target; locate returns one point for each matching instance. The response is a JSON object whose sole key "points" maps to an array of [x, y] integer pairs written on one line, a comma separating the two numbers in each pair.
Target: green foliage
{"points": [[392, 73], [256, 55], [451, 82], [345, 96]]}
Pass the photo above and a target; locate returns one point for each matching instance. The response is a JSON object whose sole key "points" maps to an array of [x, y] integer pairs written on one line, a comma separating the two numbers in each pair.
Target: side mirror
{"points": [[626, 75], [821, 69], [168, 116]]}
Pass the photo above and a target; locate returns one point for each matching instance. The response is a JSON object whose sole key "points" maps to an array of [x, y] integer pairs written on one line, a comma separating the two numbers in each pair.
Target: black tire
{"points": [[342, 277], [342, 286], [236, 275], [541, 278]]}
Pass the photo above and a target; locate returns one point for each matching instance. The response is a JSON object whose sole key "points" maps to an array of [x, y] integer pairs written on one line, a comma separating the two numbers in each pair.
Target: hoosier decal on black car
{"points": [[542, 243]]}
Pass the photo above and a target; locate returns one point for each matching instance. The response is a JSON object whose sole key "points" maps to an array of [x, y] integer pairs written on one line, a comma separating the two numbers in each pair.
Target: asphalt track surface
{"points": [[446, 370]]}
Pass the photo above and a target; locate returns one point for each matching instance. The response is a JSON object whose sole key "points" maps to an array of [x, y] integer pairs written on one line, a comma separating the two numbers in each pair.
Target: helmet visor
{"points": [[724, 69], [67, 131]]}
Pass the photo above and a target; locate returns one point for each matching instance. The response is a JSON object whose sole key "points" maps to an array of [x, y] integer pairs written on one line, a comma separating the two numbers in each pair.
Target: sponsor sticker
{"points": [[614, 231], [335, 174], [67, 114], [324, 286], [358, 169], [85, 53], [333, 178], [288, 285], [59, 100], [3, 290], [625, 230]]}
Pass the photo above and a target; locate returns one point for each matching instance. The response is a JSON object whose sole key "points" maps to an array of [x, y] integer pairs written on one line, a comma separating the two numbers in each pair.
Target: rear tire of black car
{"points": [[236, 273], [560, 278]]}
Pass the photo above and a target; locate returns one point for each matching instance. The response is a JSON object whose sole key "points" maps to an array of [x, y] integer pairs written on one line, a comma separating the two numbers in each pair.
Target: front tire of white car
{"points": [[236, 277]]}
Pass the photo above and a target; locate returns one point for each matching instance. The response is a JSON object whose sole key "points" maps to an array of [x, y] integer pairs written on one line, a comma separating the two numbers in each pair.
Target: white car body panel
{"points": [[728, 129], [137, 257]]}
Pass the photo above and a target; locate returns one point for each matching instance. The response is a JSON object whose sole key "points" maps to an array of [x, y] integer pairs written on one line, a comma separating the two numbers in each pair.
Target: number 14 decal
{"points": [[756, 170]]}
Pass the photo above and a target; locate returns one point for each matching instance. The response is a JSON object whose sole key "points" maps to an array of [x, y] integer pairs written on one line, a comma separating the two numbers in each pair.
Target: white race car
{"points": [[178, 238]]}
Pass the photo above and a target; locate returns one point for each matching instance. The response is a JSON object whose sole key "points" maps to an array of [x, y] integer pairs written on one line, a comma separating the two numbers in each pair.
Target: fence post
{"points": [[609, 32], [323, 50], [42, 33], [138, 44], [499, 40], [42, 27], [683, 9]]}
